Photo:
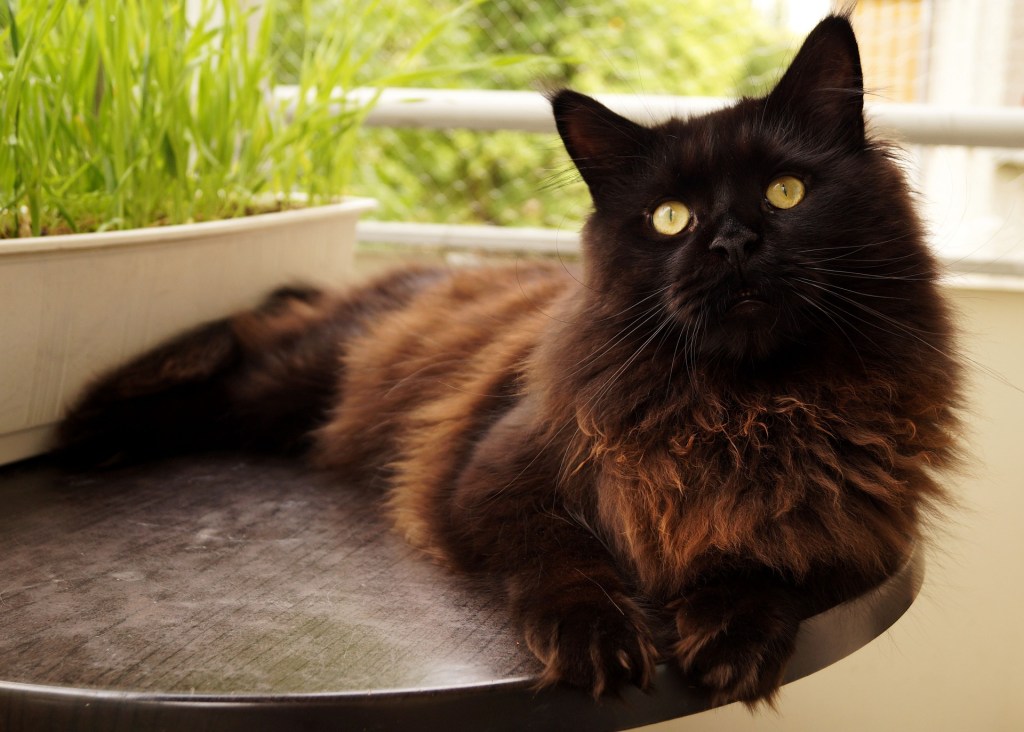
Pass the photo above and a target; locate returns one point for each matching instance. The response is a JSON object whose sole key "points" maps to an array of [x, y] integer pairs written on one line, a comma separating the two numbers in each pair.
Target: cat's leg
{"points": [[563, 587], [737, 630], [576, 613], [259, 378], [736, 635]]}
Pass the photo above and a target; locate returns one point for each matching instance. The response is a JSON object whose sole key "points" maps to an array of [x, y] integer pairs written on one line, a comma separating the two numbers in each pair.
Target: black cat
{"points": [[732, 419]]}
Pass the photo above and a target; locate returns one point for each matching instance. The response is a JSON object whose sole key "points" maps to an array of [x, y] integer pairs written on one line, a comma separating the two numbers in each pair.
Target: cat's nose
{"points": [[734, 242]]}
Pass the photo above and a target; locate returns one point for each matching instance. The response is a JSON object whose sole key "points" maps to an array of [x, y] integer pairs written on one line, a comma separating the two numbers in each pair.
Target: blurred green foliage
{"points": [[700, 47]]}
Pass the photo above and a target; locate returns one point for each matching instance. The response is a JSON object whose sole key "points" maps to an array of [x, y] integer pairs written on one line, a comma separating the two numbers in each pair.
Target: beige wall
{"points": [[955, 662]]}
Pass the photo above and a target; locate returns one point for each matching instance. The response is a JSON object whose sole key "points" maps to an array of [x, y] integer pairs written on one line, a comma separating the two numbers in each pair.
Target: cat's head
{"points": [[757, 228]]}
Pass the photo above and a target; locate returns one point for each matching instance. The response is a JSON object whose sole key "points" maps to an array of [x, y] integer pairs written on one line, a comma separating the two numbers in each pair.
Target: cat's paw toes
{"points": [[729, 672], [596, 648], [739, 657]]}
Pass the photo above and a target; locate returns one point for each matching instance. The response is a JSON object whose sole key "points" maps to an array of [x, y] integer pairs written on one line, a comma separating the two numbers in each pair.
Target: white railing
{"points": [[912, 124], [920, 124]]}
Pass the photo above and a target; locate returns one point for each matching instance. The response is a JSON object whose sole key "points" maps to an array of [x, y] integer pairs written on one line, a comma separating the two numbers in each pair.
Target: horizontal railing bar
{"points": [[508, 239], [924, 124]]}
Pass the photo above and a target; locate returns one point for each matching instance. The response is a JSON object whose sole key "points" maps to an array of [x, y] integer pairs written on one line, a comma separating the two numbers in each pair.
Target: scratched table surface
{"points": [[228, 592]]}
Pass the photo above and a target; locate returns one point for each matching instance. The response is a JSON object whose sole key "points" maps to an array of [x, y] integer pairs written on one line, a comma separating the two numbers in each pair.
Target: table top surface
{"points": [[229, 591]]}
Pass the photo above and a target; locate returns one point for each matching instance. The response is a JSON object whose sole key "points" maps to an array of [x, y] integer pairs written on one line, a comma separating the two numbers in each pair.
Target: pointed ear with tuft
{"points": [[605, 146], [823, 89]]}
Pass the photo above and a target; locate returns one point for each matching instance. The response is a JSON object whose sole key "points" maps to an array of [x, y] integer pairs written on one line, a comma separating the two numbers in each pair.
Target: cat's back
{"points": [[425, 375]]}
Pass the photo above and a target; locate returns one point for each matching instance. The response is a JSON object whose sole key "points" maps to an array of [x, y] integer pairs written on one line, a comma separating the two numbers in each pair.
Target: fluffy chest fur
{"points": [[791, 481]]}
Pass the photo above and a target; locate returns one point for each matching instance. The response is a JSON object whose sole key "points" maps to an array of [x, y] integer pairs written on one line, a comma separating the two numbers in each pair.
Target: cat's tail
{"points": [[261, 379]]}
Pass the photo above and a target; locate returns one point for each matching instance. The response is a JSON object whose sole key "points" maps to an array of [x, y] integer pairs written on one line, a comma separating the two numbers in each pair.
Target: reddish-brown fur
{"points": [[537, 427]]}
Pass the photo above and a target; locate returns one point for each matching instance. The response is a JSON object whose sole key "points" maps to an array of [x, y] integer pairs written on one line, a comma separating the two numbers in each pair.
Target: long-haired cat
{"points": [[731, 418]]}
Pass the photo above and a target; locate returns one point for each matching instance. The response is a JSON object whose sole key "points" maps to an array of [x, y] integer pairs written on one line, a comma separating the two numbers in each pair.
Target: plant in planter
{"points": [[120, 114]]}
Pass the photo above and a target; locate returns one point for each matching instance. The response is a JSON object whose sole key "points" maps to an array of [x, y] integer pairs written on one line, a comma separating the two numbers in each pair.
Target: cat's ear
{"points": [[605, 146], [824, 87]]}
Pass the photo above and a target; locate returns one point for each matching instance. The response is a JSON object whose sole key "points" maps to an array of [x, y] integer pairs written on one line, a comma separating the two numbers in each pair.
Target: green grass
{"points": [[124, 113]]}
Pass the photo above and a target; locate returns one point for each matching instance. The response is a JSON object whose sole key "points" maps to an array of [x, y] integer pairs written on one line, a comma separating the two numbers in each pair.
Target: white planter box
{"points": [[75, 305]]}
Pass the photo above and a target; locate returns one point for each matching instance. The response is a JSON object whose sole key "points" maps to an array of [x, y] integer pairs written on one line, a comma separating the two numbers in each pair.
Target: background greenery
{"points": [[698, 47]]}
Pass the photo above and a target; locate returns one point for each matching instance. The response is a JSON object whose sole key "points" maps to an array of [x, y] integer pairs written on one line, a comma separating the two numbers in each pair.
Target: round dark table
{"points": [[228, 592]]}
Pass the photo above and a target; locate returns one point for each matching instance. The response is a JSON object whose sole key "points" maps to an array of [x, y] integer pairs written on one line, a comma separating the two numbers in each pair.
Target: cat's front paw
{"points": [[598, 646], [736, 648]]}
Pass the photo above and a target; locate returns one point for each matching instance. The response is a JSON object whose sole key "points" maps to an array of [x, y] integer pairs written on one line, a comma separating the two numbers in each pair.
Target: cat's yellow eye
{"points": [[785, 192], [670, 218]]}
